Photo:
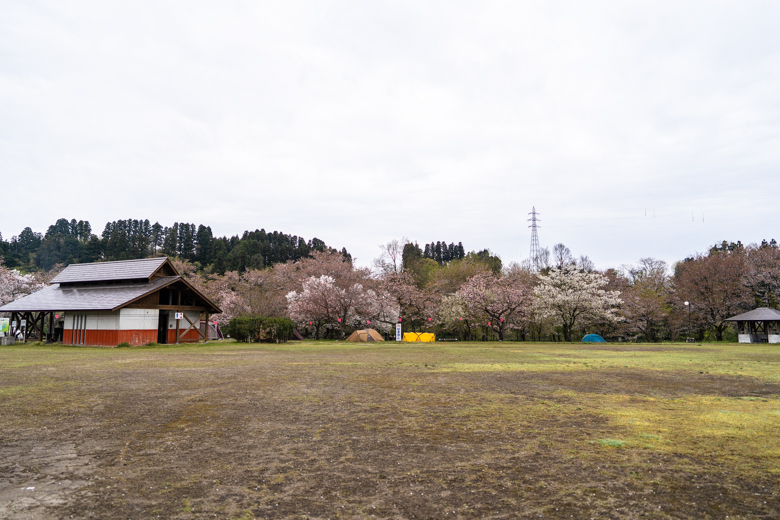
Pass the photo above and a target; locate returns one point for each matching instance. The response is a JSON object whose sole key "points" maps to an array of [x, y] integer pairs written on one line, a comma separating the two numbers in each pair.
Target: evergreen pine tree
{"points": [[157, 237], [170, 246]]}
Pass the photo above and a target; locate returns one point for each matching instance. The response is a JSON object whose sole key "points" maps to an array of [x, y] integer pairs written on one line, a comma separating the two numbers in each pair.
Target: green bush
{"points": [[258, 329], [124, 344]]}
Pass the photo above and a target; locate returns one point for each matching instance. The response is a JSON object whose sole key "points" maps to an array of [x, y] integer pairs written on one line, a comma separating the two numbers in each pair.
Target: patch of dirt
{"points": [[36, 476], [256, 435], [627, 381]]}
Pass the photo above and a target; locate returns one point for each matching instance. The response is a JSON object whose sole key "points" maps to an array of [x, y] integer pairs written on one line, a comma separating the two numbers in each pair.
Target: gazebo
{"points": [[760, 325]]}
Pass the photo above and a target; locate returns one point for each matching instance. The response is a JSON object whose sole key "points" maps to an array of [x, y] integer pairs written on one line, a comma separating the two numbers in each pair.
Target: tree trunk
{"points": [[719, 332]]}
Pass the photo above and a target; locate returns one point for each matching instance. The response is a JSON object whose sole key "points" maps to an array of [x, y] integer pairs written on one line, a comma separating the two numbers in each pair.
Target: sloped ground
{"points": [[330, 430]]}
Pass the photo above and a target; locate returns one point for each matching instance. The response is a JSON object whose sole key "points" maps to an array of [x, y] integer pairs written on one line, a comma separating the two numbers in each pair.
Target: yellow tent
{"points": [[419, 337], [364, 336]]}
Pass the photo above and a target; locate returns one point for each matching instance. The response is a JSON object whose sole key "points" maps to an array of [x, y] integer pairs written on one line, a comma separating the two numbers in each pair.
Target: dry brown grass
{"points": [[327, 430]]}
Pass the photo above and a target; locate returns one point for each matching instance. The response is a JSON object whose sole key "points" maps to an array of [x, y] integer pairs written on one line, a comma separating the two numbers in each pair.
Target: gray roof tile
{"points": [[760, 314], [104, 271], [105, 297]]}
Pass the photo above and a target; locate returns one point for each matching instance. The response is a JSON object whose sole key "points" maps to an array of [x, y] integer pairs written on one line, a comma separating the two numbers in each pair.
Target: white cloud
{"points": [[359, 122]]}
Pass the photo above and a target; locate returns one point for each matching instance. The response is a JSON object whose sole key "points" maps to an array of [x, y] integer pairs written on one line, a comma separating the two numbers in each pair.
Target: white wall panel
{"points": [[138, 319], [194, 316], [96, 320]]}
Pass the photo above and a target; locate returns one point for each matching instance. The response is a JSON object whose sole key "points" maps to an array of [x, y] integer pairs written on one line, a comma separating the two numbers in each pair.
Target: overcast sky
{"points": [[635, 128]]}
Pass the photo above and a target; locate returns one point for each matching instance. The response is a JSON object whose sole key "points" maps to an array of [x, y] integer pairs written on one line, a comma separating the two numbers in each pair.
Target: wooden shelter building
{"points": [[760, 325], [108, 303]]}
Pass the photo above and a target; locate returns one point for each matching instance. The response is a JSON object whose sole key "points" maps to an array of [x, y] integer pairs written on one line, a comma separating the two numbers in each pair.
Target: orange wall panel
{"points": [[191, 336], [112, 338], [137, 337]]}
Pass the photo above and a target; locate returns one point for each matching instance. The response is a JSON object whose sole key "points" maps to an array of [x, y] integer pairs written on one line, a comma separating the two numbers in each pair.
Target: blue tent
{"points": [[593, 338]]}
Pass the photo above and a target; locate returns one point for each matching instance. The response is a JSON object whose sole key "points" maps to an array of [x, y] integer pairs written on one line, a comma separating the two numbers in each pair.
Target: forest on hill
{"points": [[70, 241]]}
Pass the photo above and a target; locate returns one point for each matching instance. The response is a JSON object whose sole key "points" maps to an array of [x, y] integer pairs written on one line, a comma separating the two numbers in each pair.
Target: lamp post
{"points": [[688, 304]]}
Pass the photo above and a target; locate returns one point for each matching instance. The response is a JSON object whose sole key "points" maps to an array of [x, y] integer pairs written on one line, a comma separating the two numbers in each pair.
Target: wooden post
{"points": [[207, 327], [51, 326], [178, 304]]}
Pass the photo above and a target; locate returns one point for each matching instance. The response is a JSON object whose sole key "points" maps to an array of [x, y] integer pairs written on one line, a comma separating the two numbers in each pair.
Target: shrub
{"points": [[124, 344], [258, 329]]}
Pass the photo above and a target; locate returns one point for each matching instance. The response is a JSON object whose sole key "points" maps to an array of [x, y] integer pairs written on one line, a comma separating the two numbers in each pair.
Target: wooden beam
{"points": [[198, 308], [32, 324], [192, 325], [206, 314], [24, 334]]}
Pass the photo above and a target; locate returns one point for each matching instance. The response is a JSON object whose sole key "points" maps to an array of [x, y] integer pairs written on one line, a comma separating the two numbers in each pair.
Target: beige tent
{"points": [[364, 336]]}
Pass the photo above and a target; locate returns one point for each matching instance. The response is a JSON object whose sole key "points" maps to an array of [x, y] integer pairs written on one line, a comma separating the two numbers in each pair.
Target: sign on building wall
{"points": [[179, 315], [398, 335]]}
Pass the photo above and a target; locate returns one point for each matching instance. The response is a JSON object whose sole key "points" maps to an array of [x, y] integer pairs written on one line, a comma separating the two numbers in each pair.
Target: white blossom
{"points": [[571, 296]]}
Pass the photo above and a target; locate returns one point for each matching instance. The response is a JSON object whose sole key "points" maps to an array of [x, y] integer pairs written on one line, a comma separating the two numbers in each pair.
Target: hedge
{"points": [[258, 329]]}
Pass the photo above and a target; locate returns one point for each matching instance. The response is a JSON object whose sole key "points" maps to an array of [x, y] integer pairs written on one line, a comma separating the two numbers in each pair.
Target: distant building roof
{"points": [[760, 314], [110, 271], [91, 297]]}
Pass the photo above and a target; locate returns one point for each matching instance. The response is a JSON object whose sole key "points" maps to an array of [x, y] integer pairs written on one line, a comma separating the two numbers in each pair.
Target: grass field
{"points": [[334, 430]]}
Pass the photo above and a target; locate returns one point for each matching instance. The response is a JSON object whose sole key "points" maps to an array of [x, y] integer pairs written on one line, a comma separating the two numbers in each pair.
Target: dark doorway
{"points": [[162, 328]]}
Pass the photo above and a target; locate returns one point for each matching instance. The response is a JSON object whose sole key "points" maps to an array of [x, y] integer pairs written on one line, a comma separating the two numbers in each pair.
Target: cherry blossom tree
{"points": [[319, 303], [381, 309], [713, 286], [500, 302], [224, 290], [453, 316], [326, 305], [15, 285], [264, 293], [326, 288], [762, 273], [416, 307], [646, 298], [570, 296]]}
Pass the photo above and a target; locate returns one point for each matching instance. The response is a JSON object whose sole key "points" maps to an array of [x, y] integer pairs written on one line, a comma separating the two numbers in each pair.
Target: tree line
{"points": [[465, 295], [70, 241]]}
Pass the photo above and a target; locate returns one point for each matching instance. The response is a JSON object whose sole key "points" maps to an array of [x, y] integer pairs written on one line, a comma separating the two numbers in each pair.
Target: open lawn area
{"points": [[334, 430]]}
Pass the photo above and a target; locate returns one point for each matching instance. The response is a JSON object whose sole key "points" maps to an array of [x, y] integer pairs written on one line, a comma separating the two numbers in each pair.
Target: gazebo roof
{"points": [[760, 314]]}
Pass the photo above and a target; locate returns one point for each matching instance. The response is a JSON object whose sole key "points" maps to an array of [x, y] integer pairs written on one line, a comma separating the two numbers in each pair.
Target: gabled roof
{"points": [[110, 271], [760, 314], [94, 297]]}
